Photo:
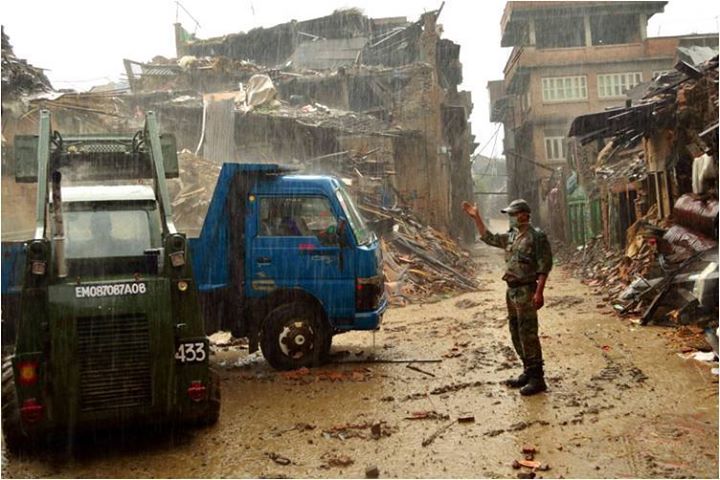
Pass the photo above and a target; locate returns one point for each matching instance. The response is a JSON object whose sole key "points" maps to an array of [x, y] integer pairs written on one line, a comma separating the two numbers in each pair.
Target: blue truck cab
{"points": [[287, 261]]}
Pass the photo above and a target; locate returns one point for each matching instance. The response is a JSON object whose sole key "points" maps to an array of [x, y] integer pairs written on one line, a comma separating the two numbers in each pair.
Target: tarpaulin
{"points": [[260, 90], [698, 215], [685, 241]]}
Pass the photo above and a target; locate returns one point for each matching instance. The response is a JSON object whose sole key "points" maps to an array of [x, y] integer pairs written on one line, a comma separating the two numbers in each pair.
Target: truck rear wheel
{"points": [[13, 434], [293, 336]]}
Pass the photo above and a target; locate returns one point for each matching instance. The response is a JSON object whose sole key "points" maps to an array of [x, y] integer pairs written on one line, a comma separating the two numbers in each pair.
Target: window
{"points": [[297, 217], [554, 147], [614, 29], [613, 85], [559, 32], [362, 233], [564, 89]]}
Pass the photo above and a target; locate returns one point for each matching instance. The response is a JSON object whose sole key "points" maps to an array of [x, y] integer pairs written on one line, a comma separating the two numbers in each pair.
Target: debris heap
{"points": [[421, 262], [609, 271], [19, 77], [192, 192], [662, 148]]}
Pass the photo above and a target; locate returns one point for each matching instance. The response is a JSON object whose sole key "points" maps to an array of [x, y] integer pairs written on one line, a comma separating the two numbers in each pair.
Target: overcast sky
{"points": [[82, 43]]}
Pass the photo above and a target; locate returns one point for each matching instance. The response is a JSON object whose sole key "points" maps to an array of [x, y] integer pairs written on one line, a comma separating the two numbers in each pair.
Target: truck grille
{"points": [[114, 359]]}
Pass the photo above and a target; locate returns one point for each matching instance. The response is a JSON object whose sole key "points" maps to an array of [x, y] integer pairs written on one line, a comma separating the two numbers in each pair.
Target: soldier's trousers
{"points": [[523, 322]]}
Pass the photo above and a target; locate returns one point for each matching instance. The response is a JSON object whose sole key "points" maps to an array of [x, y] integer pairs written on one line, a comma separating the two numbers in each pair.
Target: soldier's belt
{"points": [[516, 284]]}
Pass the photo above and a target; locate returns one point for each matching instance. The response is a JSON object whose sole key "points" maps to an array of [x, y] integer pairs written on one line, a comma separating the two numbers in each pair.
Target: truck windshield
{"points": [[362, 233], [96, 233]]}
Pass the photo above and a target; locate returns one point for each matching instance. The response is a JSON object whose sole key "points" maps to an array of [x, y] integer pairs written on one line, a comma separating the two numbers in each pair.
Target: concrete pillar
{"points": [[531, 31], [643, 26], [180, 35], [588, 32]]}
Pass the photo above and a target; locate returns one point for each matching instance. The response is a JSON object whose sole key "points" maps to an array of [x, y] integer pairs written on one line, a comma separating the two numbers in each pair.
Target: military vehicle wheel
{"points": [[293, 337], [15, 438]]}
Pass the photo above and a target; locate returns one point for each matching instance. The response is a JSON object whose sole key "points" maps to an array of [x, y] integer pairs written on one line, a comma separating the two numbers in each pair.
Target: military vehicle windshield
{"points": [[110, 231]]}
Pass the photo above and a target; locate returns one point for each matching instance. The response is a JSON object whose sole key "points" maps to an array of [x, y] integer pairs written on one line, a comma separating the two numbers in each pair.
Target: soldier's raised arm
{"points": [[499, 240]]}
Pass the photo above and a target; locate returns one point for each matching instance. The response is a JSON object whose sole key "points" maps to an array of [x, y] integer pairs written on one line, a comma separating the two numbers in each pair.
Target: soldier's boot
{"points": [[536, 382], [519, 381]]}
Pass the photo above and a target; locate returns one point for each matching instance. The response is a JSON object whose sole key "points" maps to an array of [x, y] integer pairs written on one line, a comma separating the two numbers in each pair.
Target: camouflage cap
{"points": [[517, 206]]}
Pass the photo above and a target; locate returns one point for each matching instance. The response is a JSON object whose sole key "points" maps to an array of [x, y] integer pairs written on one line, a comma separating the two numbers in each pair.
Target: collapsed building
{"points": [[20, 81], [385, 86], [652, 166], [374, 101]]}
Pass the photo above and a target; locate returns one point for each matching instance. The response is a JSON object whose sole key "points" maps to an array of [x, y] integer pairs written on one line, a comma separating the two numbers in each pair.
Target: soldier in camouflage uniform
{"points": [[528, 260]]}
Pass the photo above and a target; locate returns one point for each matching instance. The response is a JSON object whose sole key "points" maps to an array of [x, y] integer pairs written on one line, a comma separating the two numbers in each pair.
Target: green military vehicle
{"points": [[110, 332]]}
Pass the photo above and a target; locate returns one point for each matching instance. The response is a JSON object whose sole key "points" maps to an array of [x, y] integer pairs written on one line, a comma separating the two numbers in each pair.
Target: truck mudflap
{"points": [[368, 320]]}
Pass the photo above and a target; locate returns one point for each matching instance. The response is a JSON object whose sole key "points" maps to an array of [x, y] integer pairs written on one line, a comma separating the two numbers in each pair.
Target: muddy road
{"points": [[620, 403]]}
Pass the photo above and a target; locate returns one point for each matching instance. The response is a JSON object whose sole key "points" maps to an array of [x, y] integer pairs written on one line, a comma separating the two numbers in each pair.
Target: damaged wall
{"points": [[403, 74]]}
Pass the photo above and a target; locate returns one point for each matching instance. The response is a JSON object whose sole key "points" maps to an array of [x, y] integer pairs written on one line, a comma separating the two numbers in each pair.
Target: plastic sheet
{"points": [[698, 215], [684, 240]]}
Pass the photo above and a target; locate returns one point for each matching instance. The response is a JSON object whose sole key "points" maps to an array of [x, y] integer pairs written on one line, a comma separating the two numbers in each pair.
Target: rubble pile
{"points": [[192, 192], [421, 262], [667, 270], [608, 271], [19, 77]]}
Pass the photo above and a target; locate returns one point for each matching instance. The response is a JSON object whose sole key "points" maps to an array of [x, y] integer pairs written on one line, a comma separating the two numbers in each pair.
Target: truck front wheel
{"points": [[293, 336]]}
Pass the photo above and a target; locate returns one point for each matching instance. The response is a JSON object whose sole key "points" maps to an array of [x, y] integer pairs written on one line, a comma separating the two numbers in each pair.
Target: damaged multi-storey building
{"points": [[348, 87], [569, 58], [662, 150]]}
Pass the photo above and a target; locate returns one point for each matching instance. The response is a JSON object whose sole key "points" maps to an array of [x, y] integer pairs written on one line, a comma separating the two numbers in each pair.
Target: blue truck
{"points": [[285, 260]]}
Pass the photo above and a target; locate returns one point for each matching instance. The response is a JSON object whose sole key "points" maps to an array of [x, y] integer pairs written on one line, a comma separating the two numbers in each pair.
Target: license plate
{"points": [[191, 352]]}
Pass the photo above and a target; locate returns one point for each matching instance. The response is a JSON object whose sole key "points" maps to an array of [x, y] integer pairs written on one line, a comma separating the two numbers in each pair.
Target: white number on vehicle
{"points": [[190, 352]]}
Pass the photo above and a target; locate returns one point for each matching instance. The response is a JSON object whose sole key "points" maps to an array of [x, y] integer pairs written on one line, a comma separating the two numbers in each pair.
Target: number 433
{"points": [[190, 352]]}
